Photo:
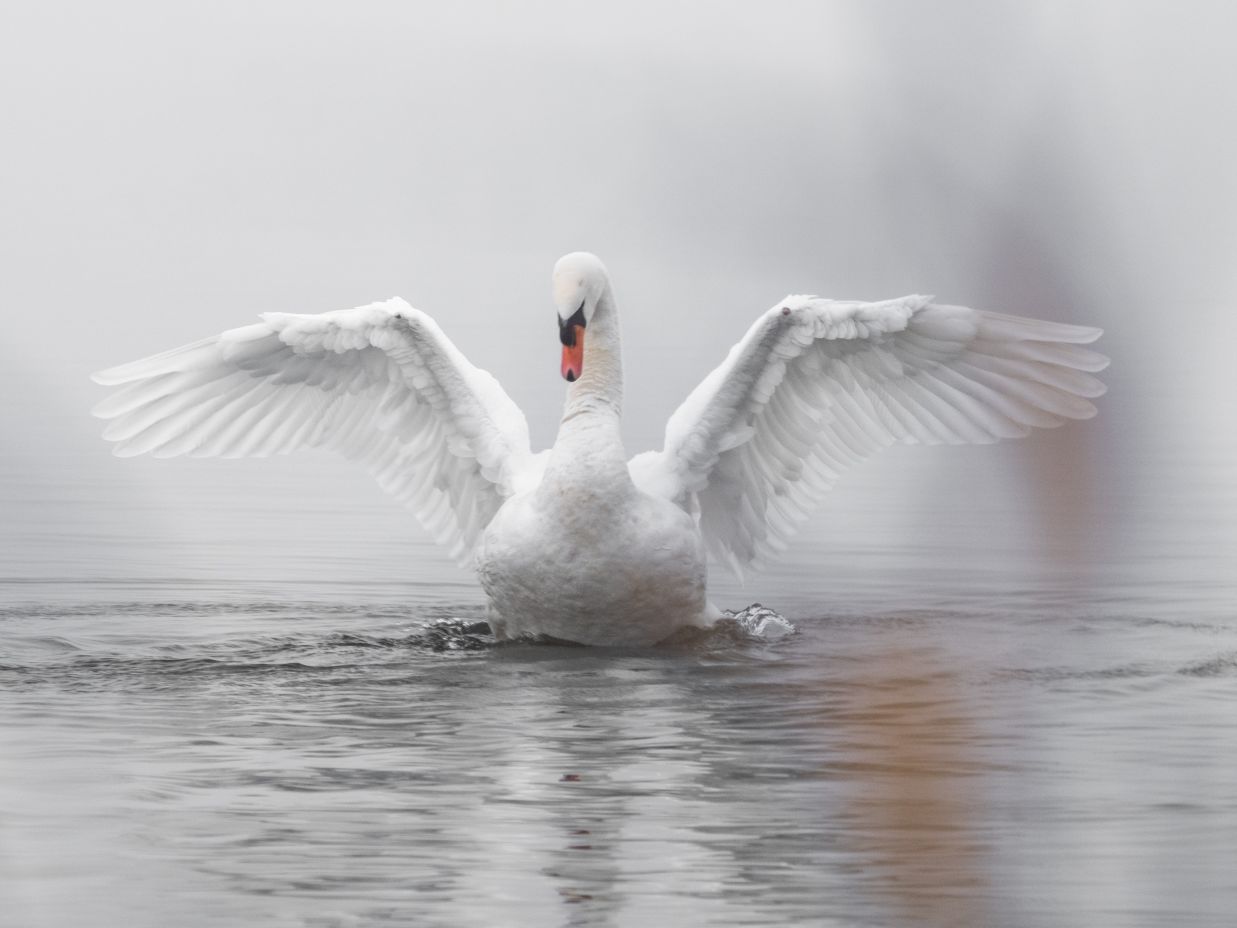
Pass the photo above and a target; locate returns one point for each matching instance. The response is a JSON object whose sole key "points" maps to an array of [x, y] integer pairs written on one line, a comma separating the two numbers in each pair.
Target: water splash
{"points": [[758, 621], [734, 628], [457, 635]]}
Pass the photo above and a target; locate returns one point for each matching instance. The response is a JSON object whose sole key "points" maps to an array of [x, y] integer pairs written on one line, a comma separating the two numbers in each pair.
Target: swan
{"points": [[579, 543]]}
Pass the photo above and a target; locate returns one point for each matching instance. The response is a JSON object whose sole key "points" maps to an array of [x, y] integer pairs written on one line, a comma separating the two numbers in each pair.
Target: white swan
{"points": [[578, 542]]}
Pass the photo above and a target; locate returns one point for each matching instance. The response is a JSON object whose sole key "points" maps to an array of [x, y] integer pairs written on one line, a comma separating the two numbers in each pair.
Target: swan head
{"points": [[580, 279]]}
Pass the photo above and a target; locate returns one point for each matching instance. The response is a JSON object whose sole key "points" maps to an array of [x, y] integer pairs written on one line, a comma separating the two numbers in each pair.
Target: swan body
{"points": [[605, 565], [579, 543]]}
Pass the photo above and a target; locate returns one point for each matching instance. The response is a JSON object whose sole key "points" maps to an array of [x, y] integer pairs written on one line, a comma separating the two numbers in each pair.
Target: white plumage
{"points": [[380, 384], [817, 385], [576, 542]]}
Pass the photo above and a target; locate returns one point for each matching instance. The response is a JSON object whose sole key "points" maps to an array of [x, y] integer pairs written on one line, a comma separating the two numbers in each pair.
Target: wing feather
{"points": [[817, 385], [380, 384]]}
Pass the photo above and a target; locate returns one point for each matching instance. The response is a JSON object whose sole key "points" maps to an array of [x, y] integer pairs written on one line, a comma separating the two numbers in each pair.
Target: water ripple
{"points": [[283, 761]]}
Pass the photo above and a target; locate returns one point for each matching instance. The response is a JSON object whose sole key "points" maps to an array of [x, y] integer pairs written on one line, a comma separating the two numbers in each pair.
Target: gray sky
{"points": [[170, 170]]}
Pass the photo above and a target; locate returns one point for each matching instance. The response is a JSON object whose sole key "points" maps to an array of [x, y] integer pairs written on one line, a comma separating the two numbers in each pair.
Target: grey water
{"points": [[1006, 703]]}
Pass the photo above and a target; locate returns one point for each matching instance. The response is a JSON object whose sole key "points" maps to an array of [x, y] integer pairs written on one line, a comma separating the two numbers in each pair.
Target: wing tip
{"points": [[1088, 334], [110, 376], [1102, 361], [1007, 327]]}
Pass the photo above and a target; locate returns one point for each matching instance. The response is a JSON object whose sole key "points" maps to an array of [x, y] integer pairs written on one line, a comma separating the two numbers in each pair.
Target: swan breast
{"points": [[592, 567]]}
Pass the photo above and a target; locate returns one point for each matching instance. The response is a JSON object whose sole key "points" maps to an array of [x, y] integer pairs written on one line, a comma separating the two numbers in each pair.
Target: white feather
{"points": [[381, 384], [817, 385]]}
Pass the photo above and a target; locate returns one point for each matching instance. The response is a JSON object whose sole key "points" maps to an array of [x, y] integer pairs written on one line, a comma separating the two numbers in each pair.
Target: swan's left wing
{"points": [[816, 385], [380, 384]]}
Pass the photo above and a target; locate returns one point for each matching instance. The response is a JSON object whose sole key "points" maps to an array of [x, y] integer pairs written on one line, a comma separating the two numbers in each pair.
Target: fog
{"points": [[168, 172], [944, 740]]}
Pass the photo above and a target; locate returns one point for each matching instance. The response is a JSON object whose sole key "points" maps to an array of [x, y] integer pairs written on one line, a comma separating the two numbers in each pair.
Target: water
{"points": [[220, 704]]}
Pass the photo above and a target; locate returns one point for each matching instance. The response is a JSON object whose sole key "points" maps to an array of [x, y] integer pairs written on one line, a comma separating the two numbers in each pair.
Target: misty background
{"points": [[170, 171], [1010, 700]]}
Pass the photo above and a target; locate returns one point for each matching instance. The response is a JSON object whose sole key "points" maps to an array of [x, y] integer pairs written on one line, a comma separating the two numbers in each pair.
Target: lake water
{"points": [[1002, 706]]}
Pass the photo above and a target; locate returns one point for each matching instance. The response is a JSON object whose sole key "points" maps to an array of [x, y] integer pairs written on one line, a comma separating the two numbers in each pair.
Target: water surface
{"points": [[233, 713]]}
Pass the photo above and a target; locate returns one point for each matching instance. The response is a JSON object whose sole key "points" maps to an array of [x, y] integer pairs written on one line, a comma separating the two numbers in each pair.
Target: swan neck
{"points": [[590, 441], [600, 387]]}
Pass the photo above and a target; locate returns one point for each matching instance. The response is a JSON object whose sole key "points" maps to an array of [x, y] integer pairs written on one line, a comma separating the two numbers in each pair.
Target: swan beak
{"points": [[571, 334], [573, 354]]}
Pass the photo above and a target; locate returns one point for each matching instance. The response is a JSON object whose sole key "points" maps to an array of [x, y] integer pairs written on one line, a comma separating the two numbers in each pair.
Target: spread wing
{"points": [[817, 385], [380, 383]]}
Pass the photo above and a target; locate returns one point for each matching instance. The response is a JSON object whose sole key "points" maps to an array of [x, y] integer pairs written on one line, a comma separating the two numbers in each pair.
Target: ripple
{"points": [[1220, 666], [301, 755], [201, 647]]}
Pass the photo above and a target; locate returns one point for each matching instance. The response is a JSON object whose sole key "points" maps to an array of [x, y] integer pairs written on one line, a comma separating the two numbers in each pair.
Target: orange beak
{"points": [[573, 354]]}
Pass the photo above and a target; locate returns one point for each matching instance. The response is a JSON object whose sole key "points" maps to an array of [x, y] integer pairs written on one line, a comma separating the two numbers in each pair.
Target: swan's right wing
{"points": [[380, 384], [817, 385]]}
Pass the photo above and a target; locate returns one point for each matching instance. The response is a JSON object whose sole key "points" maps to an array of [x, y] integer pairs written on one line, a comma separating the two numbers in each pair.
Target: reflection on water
{"points": [[975, 723], [318, 764], [918, 820]]}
